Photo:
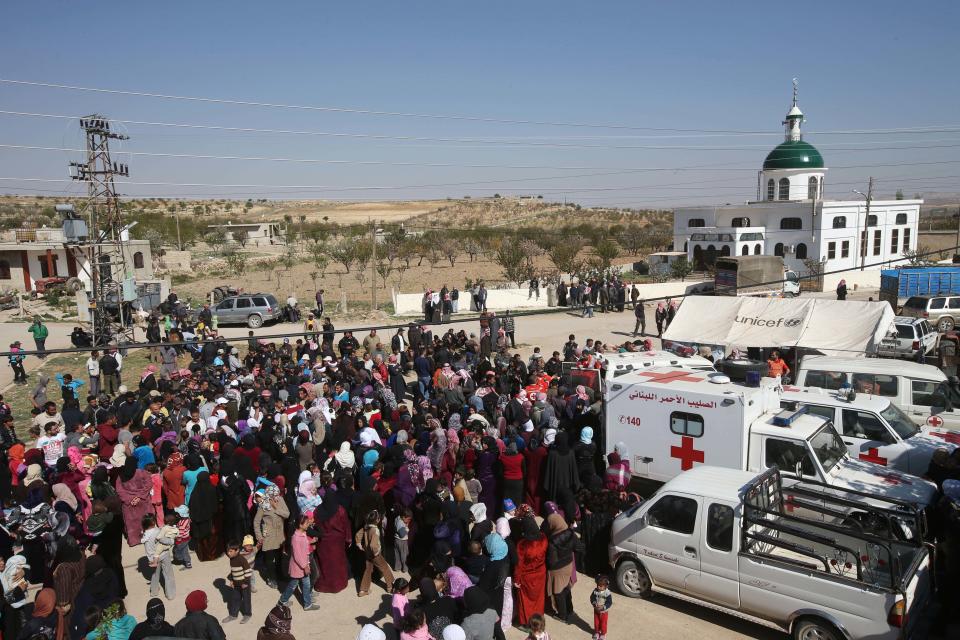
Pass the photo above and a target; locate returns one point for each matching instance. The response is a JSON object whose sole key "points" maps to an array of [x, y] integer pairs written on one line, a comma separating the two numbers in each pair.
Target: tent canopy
{"points": [[833, 327]]}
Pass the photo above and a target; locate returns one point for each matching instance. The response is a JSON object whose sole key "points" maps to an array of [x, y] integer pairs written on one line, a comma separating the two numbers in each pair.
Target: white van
{"points": [[921, 390], [619, 364]]}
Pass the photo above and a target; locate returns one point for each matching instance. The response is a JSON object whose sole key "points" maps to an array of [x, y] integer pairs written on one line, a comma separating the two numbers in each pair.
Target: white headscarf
{"points": [[345, 457], [371, 632], [6, 578], [479, 512]]}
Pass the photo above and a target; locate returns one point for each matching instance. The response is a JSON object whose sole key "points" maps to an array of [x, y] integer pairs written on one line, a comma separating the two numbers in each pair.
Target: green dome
{"points": [[794, 154]]}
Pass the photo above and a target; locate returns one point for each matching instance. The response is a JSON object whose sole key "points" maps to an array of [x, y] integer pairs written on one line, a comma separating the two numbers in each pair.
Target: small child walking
{"points": [[248, 551], [239, 580], [602, 600], [181, 548], [538, 628], [401, 540]]}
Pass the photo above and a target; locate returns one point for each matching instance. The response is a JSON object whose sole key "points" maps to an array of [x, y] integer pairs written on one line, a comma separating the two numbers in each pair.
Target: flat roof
{"points": [[802, 427], [824, 397], [718, 483], [887, 366]]}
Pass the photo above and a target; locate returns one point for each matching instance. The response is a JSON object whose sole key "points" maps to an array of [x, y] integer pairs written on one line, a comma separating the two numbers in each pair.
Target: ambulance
{"points": [[619, 364], [673, 419], [873, 428]]}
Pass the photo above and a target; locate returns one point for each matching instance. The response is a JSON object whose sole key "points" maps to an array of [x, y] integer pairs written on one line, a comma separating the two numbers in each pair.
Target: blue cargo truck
{"points": [[898, 284]]}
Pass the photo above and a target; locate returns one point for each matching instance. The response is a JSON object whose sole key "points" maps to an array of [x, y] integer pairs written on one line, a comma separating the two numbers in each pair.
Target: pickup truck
{"points": [[735, 542]]}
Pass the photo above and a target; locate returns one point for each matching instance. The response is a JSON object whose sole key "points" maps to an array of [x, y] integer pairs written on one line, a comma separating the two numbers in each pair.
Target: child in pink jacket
{"points": [[300, 548]]}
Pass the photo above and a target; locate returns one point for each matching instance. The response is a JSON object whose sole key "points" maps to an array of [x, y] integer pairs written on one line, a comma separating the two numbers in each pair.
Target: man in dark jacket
{"points": [[197, 624]]}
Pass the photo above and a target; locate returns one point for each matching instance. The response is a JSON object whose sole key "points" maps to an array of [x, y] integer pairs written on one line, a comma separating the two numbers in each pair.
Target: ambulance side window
{"points": [[823, 412], [926, 394], [686, 424], [825, 379], [875, 383], [785, 454], [860, 424]]}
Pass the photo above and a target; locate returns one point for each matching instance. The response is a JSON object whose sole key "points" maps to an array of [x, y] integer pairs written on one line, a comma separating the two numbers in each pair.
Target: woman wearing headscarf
{"points": [[15, 585], [197, 623], [343, 462], [100, 487], [268, 527], [397, 383], [277, 625], [331, 521], [441, 610], [560, 470], [68, 572], [438, 443], [660, 317], [534, 458], [99, 587], [562, 543], [65, 502], [530, 574], [307, 497], [234, 495], [448, 462], [512, 466], [43, 619], [480, 620], [408, 480], [486, 474], [133, 488], [204, 506], [155, 623], [172, 481]]}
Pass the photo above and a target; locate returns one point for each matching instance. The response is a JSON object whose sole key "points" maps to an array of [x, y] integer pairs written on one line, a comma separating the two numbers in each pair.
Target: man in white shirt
{"points": [[93, 372], [51, 444]]}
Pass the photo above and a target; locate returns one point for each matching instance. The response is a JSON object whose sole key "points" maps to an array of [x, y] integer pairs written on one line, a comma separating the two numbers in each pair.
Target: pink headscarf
{"points": [[76, 458], [582, 393], [453, 441]]}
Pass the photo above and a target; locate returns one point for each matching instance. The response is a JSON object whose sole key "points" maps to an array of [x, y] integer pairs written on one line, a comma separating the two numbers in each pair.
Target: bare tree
{"points": [[319, 258], [516, 259], [237, 262], [240, 236], [450, 248], [343, 251]]}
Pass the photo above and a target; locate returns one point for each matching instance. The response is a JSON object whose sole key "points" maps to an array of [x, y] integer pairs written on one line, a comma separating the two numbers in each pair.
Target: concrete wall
{"points": [[405, 304], [869, 279]]}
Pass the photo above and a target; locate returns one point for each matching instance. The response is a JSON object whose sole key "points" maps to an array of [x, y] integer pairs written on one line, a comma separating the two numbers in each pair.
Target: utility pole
{"points": [[957, 243], [102, 251], [866, 227], [179, 244], [373, 266]]}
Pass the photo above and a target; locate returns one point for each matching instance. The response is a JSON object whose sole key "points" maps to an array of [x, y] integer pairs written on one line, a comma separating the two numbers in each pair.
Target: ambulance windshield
{"points": [[903, 425], [828, 447]]}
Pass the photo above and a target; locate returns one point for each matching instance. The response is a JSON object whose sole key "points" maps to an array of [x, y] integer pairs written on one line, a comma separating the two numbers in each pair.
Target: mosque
{"points": [[790, 217]]}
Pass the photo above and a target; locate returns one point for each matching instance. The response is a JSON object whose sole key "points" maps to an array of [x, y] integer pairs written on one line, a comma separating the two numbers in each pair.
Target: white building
{"points": [[259, 234], [791, 219]]}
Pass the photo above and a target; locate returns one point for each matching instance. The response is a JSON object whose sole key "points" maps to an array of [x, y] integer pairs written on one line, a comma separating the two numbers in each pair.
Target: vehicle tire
{"points": [[945, 324], [815, 629], [72, 285], [254, 321], [219, 294], [789, 294], [632, 579]]}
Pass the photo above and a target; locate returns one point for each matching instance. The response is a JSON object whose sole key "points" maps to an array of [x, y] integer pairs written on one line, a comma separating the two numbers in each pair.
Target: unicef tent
{"points": [[832, 327]]}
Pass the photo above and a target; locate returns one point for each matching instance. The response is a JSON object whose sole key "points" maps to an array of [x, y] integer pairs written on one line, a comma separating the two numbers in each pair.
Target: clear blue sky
{"points": [[668, 65]]}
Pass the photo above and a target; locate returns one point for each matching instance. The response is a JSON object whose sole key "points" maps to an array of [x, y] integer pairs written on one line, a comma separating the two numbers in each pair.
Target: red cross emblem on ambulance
{"points": [[670, 376], [935, 421], [686, 453], [873, 456], [952, 437]]}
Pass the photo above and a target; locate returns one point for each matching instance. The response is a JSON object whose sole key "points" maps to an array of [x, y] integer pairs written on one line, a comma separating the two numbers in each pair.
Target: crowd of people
{"points": [[444, 470]]}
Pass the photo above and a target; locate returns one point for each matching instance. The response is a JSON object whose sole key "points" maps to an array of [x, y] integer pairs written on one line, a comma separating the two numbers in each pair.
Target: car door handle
{"points": [[848, 443], [646, 460], [690, 551]]}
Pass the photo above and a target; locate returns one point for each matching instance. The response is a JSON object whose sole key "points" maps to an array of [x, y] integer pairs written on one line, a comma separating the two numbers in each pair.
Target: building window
{"points": [[906, 240], [770, 189], [138, 260], [694, 223], [845, 249], [863, 243], [757, 249], [831, 250], [840, 222], [44, 266], [4, 270], [778, 249], [901, 218], [725, 251], [740, 222], [784, 189], [894, 240], [871, 220], [711, 257], [812, 188], [801, 252], [791, 223], [876, 242], [745, 251]]}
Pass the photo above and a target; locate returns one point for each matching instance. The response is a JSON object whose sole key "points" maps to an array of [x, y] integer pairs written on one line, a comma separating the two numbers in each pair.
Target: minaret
{"points": [[794, 118]]}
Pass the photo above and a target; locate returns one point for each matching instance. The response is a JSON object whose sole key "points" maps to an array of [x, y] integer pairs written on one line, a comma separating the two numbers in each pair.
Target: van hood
{"points": [[873, 478], [940, 436]]}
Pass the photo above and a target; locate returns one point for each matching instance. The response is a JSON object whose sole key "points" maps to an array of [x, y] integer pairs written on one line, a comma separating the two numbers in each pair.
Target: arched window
{"points": [[757, 249], [711, 256], [840, 222], [812, 188], [694, 223], [745, 251], [685, 247], [778, 249], [725, 251], [871, 220], [138, 260], [771, 185], [791, 223], [784, 189], [4, 270], [901, 218], [740, 222], [801, 252], [697, 257]]}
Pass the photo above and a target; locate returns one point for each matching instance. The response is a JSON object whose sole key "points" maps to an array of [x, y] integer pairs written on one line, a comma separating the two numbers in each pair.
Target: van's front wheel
{"points": [[815, 629], [632, 579]]}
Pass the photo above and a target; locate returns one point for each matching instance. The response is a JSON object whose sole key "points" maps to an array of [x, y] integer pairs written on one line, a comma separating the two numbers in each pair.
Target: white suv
{"points": [[914, 336]]}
